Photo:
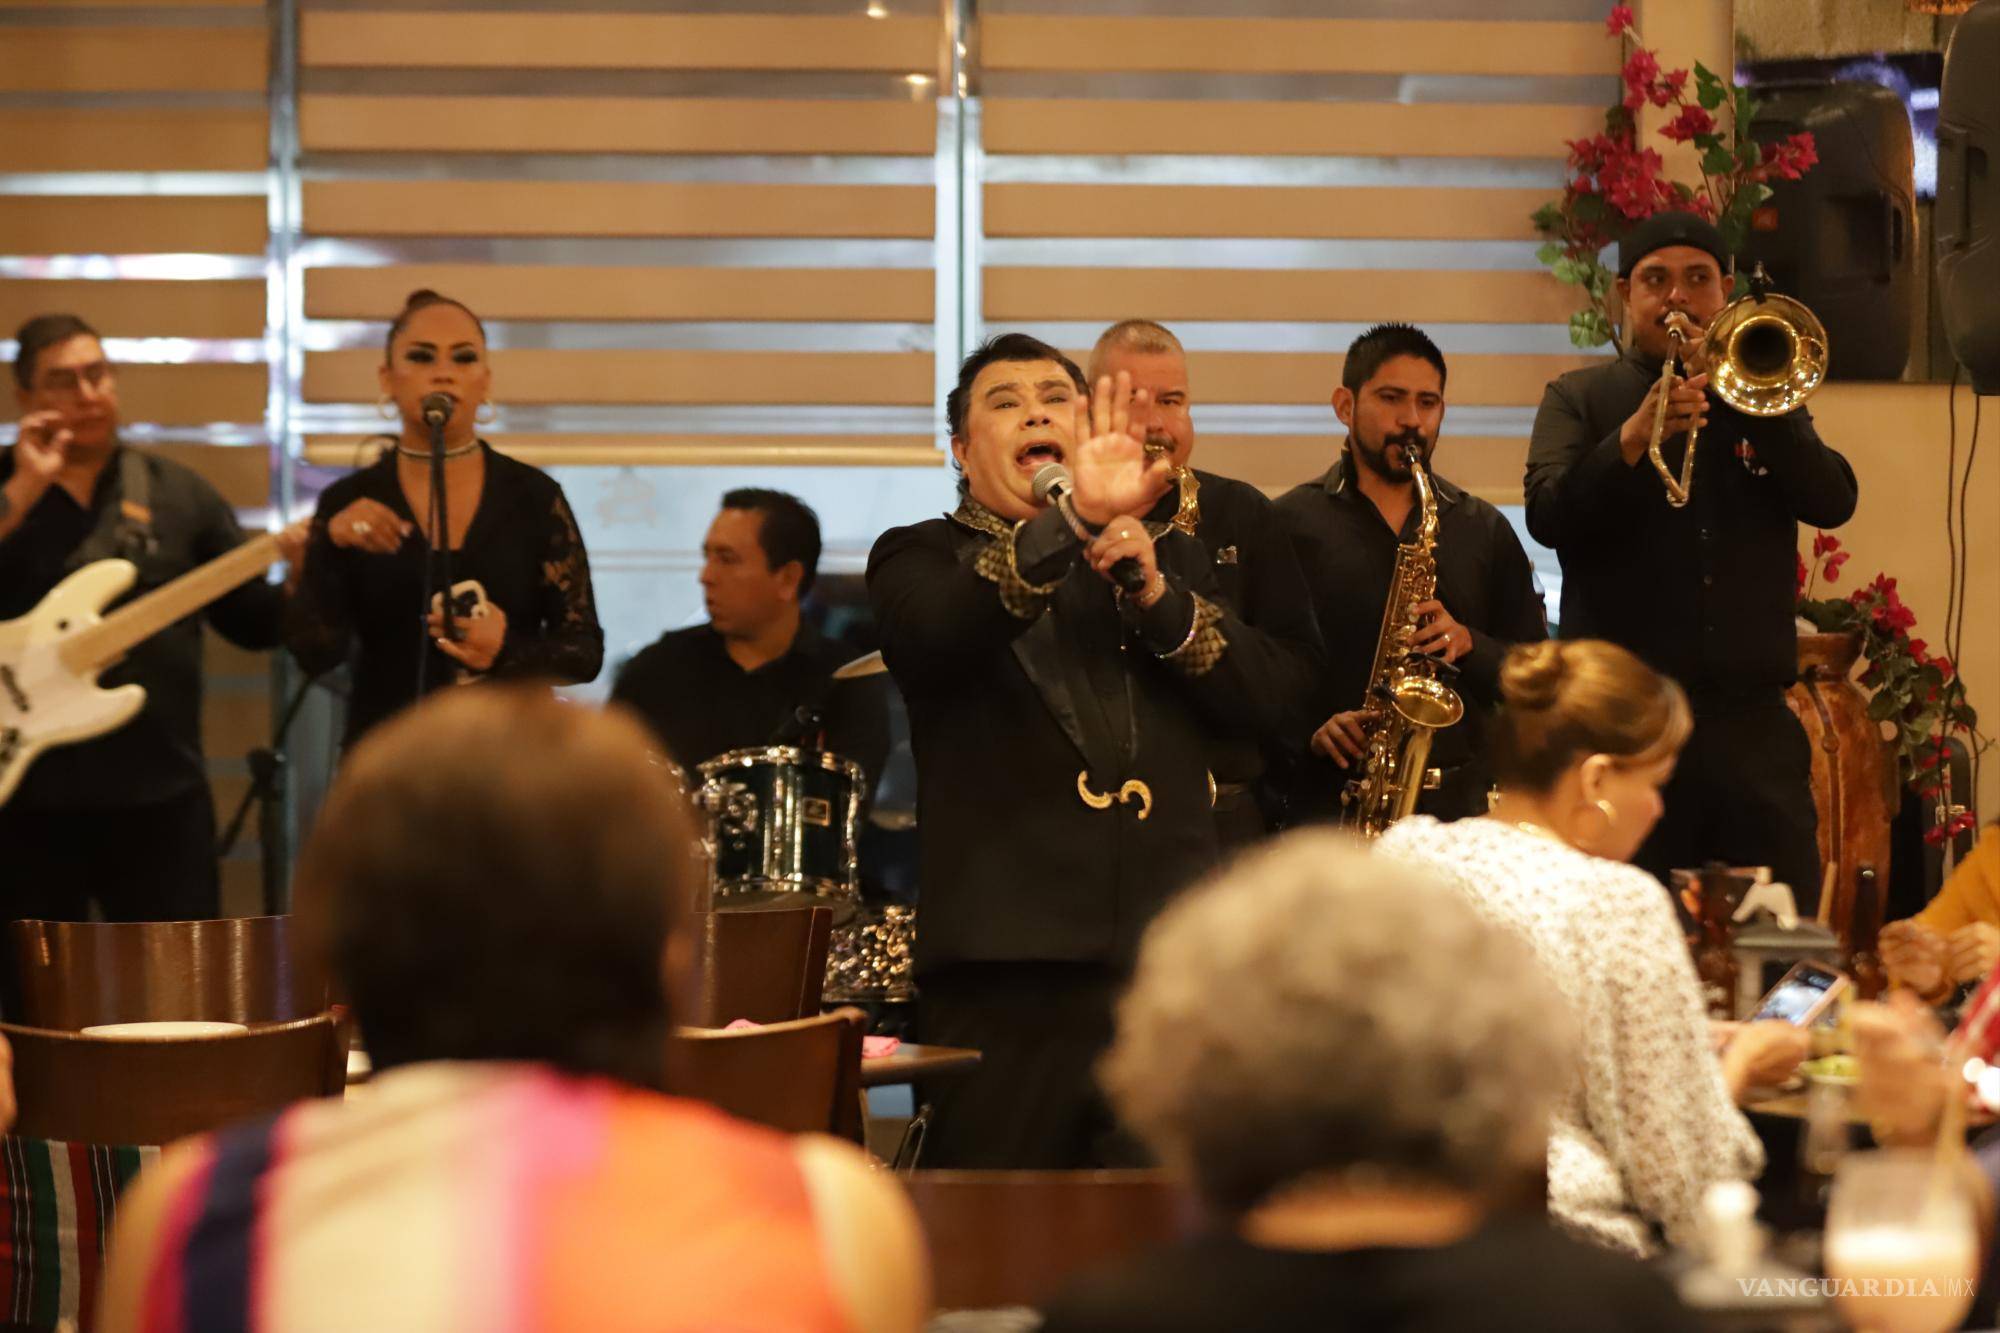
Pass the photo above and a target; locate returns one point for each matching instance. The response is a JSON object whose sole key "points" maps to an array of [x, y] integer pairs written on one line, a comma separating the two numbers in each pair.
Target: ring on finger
{"points": [[362, 527]]}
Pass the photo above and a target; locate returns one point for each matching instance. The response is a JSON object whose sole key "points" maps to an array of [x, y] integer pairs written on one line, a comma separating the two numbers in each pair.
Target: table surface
{"points": [[912, 1062]]}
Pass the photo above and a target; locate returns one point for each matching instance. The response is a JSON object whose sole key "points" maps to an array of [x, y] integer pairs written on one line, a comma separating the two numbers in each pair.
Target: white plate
{"points": [[162, 1031]]}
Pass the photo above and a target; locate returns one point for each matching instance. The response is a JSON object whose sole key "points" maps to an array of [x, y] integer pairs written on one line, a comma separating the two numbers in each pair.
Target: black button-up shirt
{"points": [[1705, 593], [157, 755], [701, 703], [1484, 578]]}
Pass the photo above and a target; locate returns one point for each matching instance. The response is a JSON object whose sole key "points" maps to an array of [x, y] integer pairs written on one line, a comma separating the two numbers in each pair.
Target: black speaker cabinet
{"points": [[1968, 198], [1842, 238]]}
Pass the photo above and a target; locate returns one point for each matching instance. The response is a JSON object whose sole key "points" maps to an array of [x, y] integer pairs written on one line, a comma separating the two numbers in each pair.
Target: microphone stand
{"points": [[437, 552]]}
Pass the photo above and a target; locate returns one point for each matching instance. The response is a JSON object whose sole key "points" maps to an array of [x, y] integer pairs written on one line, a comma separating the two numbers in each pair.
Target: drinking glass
{"points": [[1901, 1246]]}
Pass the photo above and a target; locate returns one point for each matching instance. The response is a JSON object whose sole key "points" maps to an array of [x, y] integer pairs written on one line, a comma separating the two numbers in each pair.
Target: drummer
{"points": [[755, 674]]}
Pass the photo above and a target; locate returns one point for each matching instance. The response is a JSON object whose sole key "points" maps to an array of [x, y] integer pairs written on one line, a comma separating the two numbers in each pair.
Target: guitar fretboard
{"points": [[136, 621]]}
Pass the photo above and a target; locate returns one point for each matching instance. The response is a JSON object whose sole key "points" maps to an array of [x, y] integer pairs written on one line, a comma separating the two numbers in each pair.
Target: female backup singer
{"points": [[1585, 737], [375, 573]]}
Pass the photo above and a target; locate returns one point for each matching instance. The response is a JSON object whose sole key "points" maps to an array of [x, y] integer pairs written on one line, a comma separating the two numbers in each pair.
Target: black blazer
{"points": [[1007, 712]]}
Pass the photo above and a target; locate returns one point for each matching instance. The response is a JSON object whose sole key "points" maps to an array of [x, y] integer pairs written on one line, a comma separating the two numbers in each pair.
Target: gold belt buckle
{"points": [[1099, 800]]}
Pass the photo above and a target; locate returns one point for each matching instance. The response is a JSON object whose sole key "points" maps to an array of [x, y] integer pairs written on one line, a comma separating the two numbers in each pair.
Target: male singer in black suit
{"points": [[1059, 728], [1256, 571], [1705, 592]]}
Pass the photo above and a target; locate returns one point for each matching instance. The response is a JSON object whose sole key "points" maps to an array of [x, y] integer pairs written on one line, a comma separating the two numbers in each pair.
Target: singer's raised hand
{"points": [[1113, 474]]}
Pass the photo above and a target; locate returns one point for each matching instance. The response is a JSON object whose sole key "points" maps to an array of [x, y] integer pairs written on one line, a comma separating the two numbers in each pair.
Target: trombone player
{"points": [[1702, 587]]}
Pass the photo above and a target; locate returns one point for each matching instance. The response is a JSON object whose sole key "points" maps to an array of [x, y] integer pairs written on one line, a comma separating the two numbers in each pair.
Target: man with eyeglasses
{"points": [[123, 822]]}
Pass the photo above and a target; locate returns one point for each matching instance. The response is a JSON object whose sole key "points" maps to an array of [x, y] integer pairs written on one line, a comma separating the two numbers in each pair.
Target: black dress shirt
{"points": [[1484, 578], [701, 703], [1257, 576], [1704, 593], [522, 547], [157, 755]]}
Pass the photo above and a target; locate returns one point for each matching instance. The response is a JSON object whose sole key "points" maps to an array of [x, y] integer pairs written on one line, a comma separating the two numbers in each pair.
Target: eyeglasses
{"points": [[70, 381]]}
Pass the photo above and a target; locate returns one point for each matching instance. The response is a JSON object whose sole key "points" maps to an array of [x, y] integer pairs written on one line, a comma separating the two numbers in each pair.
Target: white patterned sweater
{"points": [[1650, 1124]]}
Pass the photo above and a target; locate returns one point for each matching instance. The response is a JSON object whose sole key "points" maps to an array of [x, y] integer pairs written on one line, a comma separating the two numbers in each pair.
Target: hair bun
{"points": [[1532, 675], [421, 296]]}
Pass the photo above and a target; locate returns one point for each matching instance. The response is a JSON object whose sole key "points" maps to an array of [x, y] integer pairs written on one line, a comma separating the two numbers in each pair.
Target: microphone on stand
{"points": [[800, 723], [1052, 484], [438, 408]]}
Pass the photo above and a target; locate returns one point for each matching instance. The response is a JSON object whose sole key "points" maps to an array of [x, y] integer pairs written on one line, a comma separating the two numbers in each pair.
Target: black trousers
{"points": [[1742, 795], [153, 862], [1032, 1103]]}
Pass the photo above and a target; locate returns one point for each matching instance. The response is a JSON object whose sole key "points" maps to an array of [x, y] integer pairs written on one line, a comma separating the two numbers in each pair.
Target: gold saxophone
{"points": [[1410, 701]]}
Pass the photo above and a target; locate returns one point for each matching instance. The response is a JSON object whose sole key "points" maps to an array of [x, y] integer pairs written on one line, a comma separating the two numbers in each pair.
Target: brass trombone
{"points": [[1766, 355]]}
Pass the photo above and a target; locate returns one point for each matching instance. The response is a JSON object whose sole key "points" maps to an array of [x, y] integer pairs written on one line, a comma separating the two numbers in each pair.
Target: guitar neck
{"points": [[136, 621]]}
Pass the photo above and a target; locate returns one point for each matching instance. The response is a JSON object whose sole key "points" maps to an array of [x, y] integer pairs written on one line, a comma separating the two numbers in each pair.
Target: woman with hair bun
{"points": [[1586, 736], [373, 583]]}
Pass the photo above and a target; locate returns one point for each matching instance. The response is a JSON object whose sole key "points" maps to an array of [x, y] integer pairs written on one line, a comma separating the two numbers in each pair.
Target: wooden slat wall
{"points": [[156, 91], [535, 101], [1520, 127]]}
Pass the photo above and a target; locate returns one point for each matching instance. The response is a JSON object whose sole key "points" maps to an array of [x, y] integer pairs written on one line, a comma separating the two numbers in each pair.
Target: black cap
{"points": [[1672, 228]]}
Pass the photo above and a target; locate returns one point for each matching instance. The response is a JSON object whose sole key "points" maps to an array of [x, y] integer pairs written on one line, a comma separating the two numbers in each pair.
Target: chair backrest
{"points": [[75, 974], [1008, 1238], [801, 1077], [764, 964], [85, 1089]]}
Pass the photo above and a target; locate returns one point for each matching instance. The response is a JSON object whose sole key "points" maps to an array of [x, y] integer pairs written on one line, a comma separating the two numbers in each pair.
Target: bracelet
{"points": [[1119, 595], [1067, 508]]}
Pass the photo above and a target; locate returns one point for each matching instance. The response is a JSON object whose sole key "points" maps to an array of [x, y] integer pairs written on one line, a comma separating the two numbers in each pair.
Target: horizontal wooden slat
{"points": [[615, 208], [526, 292], [1433, 129], [152, 140], [1293, 46], [863, 378], [1303, 378], [142, 4], [142, 307], [133, 59], [1294, 212], [1490, 466], [675, 450], [242, 473], [151, 225], [194, 395], [1329, 295], [501, 40], [340, 123]]}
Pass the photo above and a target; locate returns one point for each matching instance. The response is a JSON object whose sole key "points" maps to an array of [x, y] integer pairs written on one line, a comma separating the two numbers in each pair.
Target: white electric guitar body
{"points": [[51, 657]]}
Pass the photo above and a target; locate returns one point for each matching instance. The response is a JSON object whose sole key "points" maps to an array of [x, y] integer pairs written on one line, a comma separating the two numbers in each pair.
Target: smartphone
{"points": [[1802, 994]]}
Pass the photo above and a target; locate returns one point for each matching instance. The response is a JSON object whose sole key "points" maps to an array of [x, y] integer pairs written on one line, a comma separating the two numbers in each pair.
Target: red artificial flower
{"points": [[1620, 22], [1833, 564], [1675, 82], [1917, 650], [1824, 543], [1691, 121], [1788, 159], [1928, 758], [1801, 589]]}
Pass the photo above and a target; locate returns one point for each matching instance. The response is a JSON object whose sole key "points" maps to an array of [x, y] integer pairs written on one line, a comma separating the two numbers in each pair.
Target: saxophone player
{"points": [[1347, 527], [1256, 573]]}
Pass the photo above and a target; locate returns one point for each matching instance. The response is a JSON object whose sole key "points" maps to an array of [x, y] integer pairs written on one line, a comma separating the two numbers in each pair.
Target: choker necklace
{"points": [[449, 453]]}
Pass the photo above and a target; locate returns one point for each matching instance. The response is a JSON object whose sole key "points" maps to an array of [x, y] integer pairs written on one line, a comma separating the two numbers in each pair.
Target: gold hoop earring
{"points": [[486, 414], [385, 409], [1610, 813]]}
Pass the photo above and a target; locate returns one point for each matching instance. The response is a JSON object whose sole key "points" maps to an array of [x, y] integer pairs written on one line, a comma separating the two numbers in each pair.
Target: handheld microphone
{"points": [[438, 408], [1051, 483]]}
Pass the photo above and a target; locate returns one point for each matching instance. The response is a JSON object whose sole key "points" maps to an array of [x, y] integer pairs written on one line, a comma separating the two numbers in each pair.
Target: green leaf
{"points": [[1590, 208], [1601, 279], [1708, 90], [1751, 195], [1548, 252], [1569, 270], [1589, 328], [1748, 154], [1548, 218], [1883, 706], [1718, 161]]}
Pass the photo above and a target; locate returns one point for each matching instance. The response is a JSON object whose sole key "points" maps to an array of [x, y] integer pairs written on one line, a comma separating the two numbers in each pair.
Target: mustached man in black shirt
{"points": [[739, 680], [1256, 573], [123, 822], [1703, 593], [1347, 527]]}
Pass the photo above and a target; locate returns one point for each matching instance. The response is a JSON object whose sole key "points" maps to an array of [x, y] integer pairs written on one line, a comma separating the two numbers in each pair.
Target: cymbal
{"points": [[871, 665]]}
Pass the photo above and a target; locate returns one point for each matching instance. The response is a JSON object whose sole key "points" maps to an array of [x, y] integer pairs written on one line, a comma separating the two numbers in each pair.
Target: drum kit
{"points": [[784, 828]]}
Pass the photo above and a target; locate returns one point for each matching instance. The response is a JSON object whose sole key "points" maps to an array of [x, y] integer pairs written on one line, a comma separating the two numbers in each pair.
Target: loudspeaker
{"points": [[1841, 238], [1968, 197]]}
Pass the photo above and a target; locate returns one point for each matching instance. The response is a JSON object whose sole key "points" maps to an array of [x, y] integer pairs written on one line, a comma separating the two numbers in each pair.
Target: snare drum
{"points": [[782, 821]]}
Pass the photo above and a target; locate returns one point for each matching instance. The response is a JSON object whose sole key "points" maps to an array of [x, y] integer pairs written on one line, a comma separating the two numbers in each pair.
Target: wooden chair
{"points": [[1009, 1238], [79, 1088], [764, 964], [76, 974], [800, 1077]]}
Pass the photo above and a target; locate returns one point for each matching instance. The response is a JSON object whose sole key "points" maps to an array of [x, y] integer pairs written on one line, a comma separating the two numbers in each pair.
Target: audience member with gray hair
{"points": [[1355, 1073]]}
